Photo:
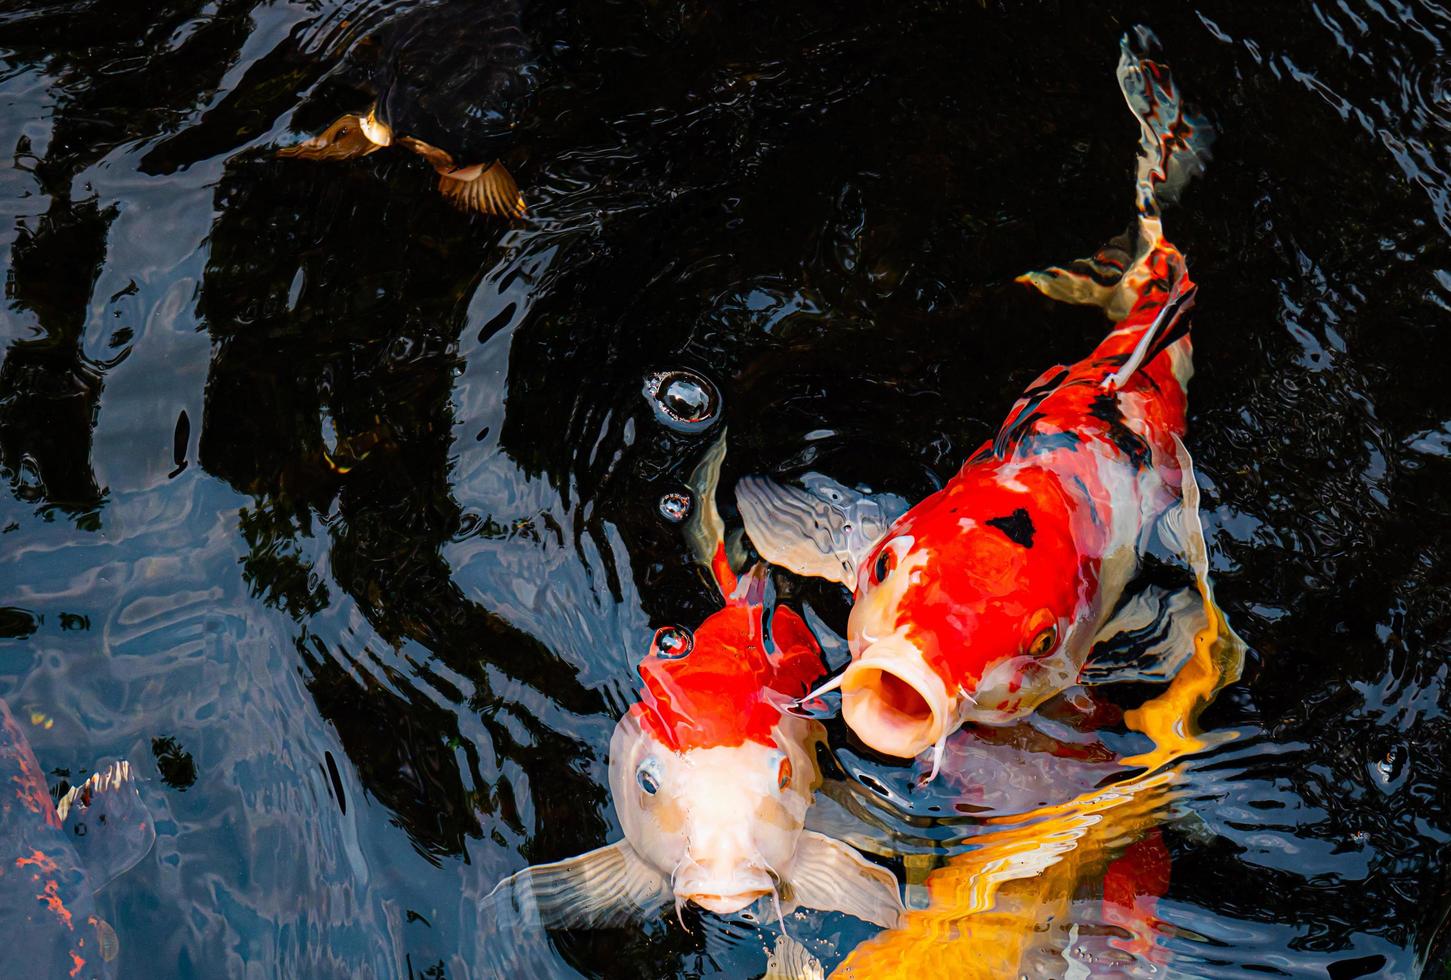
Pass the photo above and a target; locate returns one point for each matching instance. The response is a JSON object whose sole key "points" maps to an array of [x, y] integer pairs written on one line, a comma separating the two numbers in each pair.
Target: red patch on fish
{"points": [[41, 861], [1132, 886], [732, 685], [30, 788], [50, 896]]}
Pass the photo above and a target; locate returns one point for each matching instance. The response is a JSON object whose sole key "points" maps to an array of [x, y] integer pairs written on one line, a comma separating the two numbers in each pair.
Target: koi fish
{"points": [[711, 775], [450, 83], [55, 857], [985, 599]]}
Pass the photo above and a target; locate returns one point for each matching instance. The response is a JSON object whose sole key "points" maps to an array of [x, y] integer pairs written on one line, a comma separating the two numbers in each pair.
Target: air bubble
{"points": [[675, 507], [682, 400], [1390, 770], [672, 642]]}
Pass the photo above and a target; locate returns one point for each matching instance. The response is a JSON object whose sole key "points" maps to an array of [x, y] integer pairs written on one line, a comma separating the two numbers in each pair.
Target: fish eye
{"points": [[783, 774], [1045, 642], [648, 776], [882, 567]]}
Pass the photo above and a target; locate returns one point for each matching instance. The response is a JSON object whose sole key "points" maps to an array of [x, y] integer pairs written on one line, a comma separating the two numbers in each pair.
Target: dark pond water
{"points": [[360, 698]]}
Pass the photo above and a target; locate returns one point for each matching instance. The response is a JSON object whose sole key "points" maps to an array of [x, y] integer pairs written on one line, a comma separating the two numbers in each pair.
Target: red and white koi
{"points": [[711, 775], [985, 599]]}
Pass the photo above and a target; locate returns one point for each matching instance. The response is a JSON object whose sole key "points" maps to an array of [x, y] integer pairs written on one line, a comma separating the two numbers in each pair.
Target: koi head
{"points": [[963, 613], [720, 823], [711, 776]]}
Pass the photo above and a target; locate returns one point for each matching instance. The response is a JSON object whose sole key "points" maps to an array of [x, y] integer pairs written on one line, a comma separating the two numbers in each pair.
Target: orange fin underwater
{"points": [[485, 190], [343, 140]]}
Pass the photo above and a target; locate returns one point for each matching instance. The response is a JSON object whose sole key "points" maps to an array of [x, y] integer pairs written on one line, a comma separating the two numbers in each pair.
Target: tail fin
{"points": [[1173, 148], [1173, 141]]}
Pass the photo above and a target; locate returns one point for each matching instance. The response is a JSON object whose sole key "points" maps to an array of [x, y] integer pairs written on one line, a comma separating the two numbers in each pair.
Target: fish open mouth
{"points": [[893, 701], [728, 904]]}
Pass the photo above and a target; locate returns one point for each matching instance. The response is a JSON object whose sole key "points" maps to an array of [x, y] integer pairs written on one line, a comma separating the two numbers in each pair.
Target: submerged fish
{"points": [[712, 776], [985, 599], [451, 80], [54, 858]]}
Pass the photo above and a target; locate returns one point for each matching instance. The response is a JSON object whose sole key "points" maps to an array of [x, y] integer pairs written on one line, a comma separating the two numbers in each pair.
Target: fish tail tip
{"points": [[489, 190]]}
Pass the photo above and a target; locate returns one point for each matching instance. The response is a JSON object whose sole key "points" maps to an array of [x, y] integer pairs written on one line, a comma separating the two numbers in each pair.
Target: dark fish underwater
{"points": [[450, 82]]}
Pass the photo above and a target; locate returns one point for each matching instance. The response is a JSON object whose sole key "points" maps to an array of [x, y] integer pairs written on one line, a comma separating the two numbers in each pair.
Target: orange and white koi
{"points": [[711, 775], [985, 599]]}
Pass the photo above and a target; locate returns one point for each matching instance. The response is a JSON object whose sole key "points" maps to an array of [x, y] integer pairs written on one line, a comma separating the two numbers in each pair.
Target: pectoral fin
{"points": [[344, 139], [1152, 634], [789, 960], [605, 887], [820, 528], [107, 823], [1180, 529], [832, 877], [483, 189], [1103, 279]]}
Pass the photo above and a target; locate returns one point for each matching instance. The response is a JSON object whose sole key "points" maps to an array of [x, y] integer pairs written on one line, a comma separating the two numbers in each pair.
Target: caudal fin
{"points": [[1173, 147], [1173, 140]]}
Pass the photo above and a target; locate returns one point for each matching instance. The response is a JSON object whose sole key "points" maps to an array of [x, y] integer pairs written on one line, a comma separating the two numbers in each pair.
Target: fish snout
{"points": [[894, 702], [724, 888], [727, 904]]}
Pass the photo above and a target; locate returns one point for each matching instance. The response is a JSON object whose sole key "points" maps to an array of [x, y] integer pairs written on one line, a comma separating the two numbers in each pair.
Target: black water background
{"points": [[821, 208]]}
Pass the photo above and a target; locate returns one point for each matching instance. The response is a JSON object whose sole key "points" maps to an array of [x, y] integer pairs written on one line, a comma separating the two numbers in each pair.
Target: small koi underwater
{"points": [[57, 856]]}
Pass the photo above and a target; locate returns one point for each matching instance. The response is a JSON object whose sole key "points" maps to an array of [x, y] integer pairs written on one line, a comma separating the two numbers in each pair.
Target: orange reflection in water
{"points": [[992, 906]]}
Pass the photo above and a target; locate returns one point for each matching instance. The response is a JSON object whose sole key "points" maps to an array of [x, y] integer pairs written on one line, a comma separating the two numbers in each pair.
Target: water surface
{"points": [[336, 510]]}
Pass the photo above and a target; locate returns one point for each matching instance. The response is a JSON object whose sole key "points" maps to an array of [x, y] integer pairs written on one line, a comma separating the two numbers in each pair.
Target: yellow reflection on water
{"points": [[991, 907]]}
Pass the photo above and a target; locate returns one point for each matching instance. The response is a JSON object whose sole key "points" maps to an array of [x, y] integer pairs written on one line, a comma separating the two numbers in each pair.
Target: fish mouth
{"points": [[893, 701], [728, 904]]}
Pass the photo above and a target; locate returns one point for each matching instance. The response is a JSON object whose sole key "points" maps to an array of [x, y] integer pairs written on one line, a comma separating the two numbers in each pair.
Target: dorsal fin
{"points": [[107, 823], [704, 529]]}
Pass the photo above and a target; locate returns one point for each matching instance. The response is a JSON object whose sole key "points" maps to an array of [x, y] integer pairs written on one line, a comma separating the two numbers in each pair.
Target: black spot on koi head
{"points": [[1018, 526]]}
